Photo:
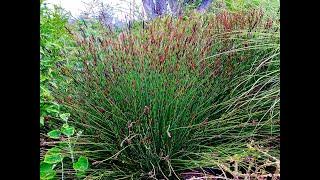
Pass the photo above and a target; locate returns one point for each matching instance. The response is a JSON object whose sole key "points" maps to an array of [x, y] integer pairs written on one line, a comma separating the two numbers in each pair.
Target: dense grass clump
{"points": [[177, 94]]}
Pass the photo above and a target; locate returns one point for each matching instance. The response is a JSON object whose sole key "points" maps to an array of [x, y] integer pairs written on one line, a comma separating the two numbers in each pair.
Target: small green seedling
{"points": [[55, 156]]}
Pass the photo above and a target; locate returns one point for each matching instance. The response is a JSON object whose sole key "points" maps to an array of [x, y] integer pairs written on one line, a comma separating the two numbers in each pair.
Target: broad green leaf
{"points": [[67, 130], [46, 175], [65, 116], [54, 134], [82, 164], [45, 166], [53, 156], [46, 171], [54, 150]]}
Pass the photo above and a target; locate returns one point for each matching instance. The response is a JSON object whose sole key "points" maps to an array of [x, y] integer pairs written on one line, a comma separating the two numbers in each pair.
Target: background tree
{"points": [[155, 8]]}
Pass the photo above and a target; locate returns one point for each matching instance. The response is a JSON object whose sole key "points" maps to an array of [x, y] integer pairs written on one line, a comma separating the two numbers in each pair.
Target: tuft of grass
{"points": [[178, 94]]}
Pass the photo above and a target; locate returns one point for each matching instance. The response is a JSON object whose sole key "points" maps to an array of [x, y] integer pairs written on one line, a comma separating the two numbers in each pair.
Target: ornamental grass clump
{"points": [[177, 94]]}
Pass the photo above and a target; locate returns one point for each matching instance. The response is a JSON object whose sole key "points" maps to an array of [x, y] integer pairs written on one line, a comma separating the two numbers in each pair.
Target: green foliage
{"points": [[42, 120], [53, 156], [56, 154], [46, 171], [54, 44], [270, 7], [82, 164], [55, 134], [67, 130], [65, 116], [57, 48]]}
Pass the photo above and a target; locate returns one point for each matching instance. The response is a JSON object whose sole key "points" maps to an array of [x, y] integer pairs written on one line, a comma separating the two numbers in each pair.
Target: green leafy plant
{"points": [[57, 154], [55, 42], [56, 47]]}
